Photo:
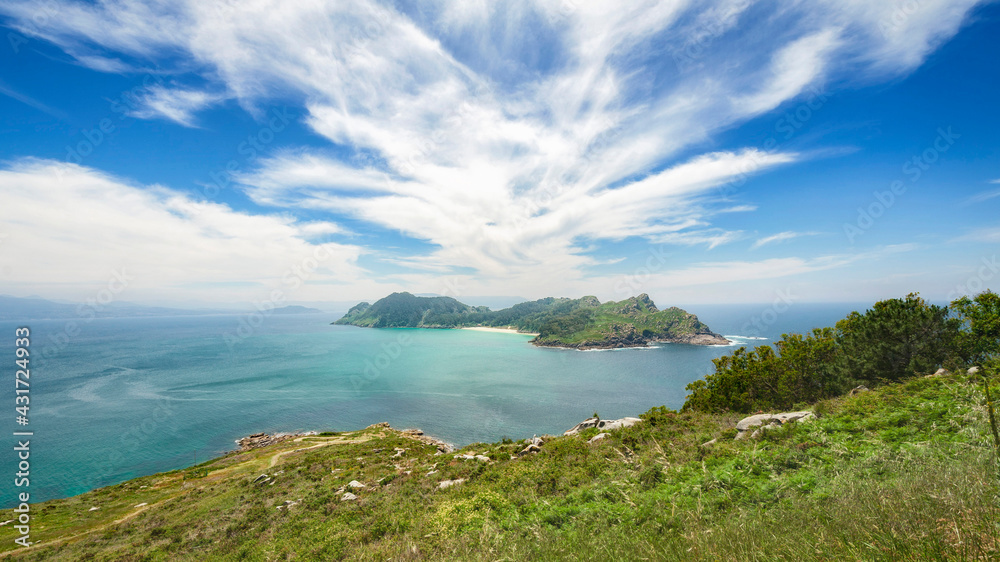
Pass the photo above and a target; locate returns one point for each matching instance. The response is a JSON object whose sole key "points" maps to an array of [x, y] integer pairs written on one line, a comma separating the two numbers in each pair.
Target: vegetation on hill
{"points": [[403, 310], [582, 323], [894, 340], [904, 472]]}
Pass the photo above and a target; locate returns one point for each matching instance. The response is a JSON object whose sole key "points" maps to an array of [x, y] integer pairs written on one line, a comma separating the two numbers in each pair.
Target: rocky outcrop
{"points": [[258, 440], [533, 447], [449, 483], [701, 338], [418, 435], [585, 424], [764, 421], [858, 390], [604, 425], [626, 335]]}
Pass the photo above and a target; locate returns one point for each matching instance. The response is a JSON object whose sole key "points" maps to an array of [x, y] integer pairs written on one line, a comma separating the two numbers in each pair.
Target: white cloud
{"points": [[984, 196], [76, 226], [779, 237], [174, 104], [988, 235], [509, 137]]}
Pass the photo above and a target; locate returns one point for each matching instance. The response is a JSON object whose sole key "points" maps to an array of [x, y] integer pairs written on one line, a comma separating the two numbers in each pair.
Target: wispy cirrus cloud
{"points": [[510, 137], [779, 237], [177, 105]]}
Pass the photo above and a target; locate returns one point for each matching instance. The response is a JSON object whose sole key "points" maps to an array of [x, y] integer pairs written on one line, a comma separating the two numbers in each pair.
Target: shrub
{"points": [[895, 339], [979, 318]]}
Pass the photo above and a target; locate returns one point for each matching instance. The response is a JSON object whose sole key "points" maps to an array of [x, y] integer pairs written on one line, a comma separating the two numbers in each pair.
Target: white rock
{"points": [[769, 421], [448, 483], [482, 458], [355, 484], [93, 509], [587, 423], [598, 437], [348, 497], [762, 419], [608, 425]]}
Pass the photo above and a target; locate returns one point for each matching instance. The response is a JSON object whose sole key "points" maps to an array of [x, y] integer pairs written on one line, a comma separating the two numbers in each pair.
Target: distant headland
{"points": [[583, 323]]}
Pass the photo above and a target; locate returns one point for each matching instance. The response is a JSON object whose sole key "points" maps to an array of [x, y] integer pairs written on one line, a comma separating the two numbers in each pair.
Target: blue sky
{"points": [[729, 151]]}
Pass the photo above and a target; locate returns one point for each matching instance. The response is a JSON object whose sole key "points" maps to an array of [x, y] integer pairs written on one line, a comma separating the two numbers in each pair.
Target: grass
{"points": [[906, 472]]}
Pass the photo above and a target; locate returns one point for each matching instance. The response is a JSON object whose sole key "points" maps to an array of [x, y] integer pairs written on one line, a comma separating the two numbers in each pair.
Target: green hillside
{"points": [[905, 472], [581, 323]]}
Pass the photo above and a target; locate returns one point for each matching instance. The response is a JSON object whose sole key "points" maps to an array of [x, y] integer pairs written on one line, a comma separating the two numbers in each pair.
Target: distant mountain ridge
{"points": [[583, 323], [33, 308]]}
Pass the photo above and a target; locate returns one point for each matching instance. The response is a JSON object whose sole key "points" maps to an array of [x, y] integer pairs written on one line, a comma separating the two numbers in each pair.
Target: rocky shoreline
{"points": [[618, 342], [258, 440]]}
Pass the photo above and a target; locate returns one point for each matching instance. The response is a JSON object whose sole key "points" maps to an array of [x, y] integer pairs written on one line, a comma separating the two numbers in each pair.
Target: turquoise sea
{"points": [[126, 397]]}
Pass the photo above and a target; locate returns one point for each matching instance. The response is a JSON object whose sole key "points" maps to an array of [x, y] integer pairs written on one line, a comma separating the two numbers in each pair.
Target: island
{"points": [[583, 323]]}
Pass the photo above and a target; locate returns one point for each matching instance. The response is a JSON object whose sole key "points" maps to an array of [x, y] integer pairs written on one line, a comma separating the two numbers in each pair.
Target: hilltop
{"points": [[583, 323]]}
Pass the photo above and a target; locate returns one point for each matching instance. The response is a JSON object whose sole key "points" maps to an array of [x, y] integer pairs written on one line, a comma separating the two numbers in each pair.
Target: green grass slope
{"points": [[904, 472]]}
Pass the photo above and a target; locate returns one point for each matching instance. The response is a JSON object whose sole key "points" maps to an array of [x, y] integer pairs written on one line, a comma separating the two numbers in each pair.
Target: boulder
{"points": [[448, 483], [598, 437], [604, 425], [767, 420], [858, 390], [355, 484], [585, 424], [533, 447], [609, 425], [973, 370], [348, 497], [940, 372]]}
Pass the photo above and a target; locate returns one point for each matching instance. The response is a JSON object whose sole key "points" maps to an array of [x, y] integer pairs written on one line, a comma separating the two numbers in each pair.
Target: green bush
{"points": [[979, 339], [894, 340]]}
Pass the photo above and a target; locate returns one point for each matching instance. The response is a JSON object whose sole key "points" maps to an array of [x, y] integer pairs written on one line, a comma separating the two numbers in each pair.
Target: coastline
{"points": [[497, 330]]}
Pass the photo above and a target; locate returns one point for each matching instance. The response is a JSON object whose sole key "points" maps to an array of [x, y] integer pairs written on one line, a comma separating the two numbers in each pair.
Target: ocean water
{"points": [[127, 397]]}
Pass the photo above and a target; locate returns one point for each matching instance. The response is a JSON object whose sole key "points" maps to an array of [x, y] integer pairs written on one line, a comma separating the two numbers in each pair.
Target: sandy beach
{"points": [[500, 330]]}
